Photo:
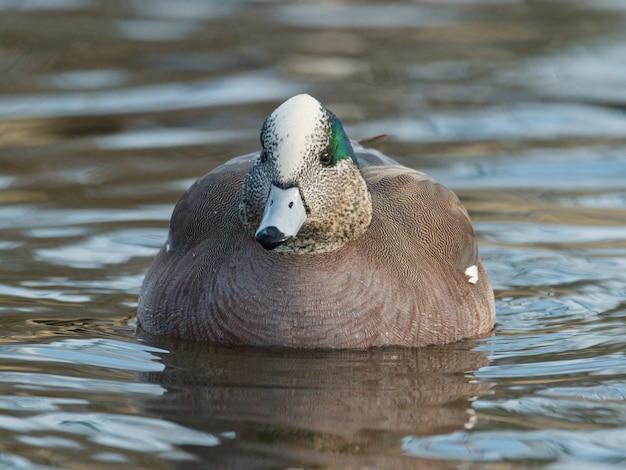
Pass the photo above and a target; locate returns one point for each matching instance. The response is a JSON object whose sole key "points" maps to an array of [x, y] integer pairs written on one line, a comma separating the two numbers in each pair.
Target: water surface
{"points": [[109, 110]]}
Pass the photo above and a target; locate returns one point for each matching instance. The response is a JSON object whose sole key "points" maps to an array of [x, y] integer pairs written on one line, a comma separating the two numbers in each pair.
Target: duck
{"points": [[314, 241]]}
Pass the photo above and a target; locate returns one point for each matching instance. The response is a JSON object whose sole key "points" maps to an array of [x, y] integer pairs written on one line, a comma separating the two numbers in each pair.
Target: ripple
{"points": [[26, 403], [552, 172], [49, 442], [57, 295], [17, 462], [561, 411], [610, 391], [59, 292], [365, 16], [135, 433], [542, 121], [188, 10], [238, 89], [34, 217], [607, 446], [612, 364], [95, 352], [28, 5], [520, 263], [163, 138], [607, 200], [574, 73], [46, 382], [111, 285], [96, 251], [156, 30], [88, 79]]}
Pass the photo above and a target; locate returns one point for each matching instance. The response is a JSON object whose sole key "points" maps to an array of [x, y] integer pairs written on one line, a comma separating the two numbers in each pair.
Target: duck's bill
{"points": [[283, 216]]}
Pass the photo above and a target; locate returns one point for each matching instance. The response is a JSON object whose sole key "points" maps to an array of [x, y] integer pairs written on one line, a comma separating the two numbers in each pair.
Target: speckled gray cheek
{"points": [[253, 197], [267, 132], [340, 208], [317, 141]]}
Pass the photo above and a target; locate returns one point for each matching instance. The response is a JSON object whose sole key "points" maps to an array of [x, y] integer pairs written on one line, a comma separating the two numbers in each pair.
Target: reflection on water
{"points": [[108, 111], [290, 405]]}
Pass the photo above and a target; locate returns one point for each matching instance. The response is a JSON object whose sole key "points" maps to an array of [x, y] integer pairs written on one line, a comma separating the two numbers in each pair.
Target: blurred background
{"points": [[110, 109]]}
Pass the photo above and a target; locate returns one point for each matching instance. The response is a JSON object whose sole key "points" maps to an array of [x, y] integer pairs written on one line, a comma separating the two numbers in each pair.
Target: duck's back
{"points": [[405, 282]]}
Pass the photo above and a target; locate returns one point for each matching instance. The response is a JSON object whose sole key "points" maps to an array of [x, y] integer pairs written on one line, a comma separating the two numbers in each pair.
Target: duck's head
{"points": [[304, 193]]}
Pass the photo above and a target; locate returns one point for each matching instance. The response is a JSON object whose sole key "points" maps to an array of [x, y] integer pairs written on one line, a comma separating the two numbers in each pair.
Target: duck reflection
{"points": [[285, 407]]}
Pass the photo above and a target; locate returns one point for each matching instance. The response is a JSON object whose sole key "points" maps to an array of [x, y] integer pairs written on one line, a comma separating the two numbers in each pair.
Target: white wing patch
{"points": [[472, 274]]}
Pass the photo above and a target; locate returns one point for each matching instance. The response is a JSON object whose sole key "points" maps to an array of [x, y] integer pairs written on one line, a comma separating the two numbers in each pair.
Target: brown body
{"points": [[401, 283]]}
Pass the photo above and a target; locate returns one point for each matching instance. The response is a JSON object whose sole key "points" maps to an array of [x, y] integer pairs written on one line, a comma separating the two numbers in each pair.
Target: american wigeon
{"points": [[316, 241]]}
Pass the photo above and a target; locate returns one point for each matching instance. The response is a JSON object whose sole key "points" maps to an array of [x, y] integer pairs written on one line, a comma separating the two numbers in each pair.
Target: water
{"points": [[109, 110]]}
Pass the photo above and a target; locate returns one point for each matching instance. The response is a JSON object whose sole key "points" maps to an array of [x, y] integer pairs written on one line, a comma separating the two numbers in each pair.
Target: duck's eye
{"points": [[263, 156], [326, 158]]}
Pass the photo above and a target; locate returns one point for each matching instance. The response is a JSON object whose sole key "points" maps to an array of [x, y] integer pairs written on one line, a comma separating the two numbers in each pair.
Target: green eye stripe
{"points": [[339, 141]]}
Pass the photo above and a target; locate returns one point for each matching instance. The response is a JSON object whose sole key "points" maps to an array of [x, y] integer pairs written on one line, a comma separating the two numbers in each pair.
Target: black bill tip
{"points": [[271, 237]]}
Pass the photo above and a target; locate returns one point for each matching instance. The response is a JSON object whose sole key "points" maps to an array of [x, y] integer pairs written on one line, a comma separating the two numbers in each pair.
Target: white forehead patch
{"points": [[291, 126]]}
